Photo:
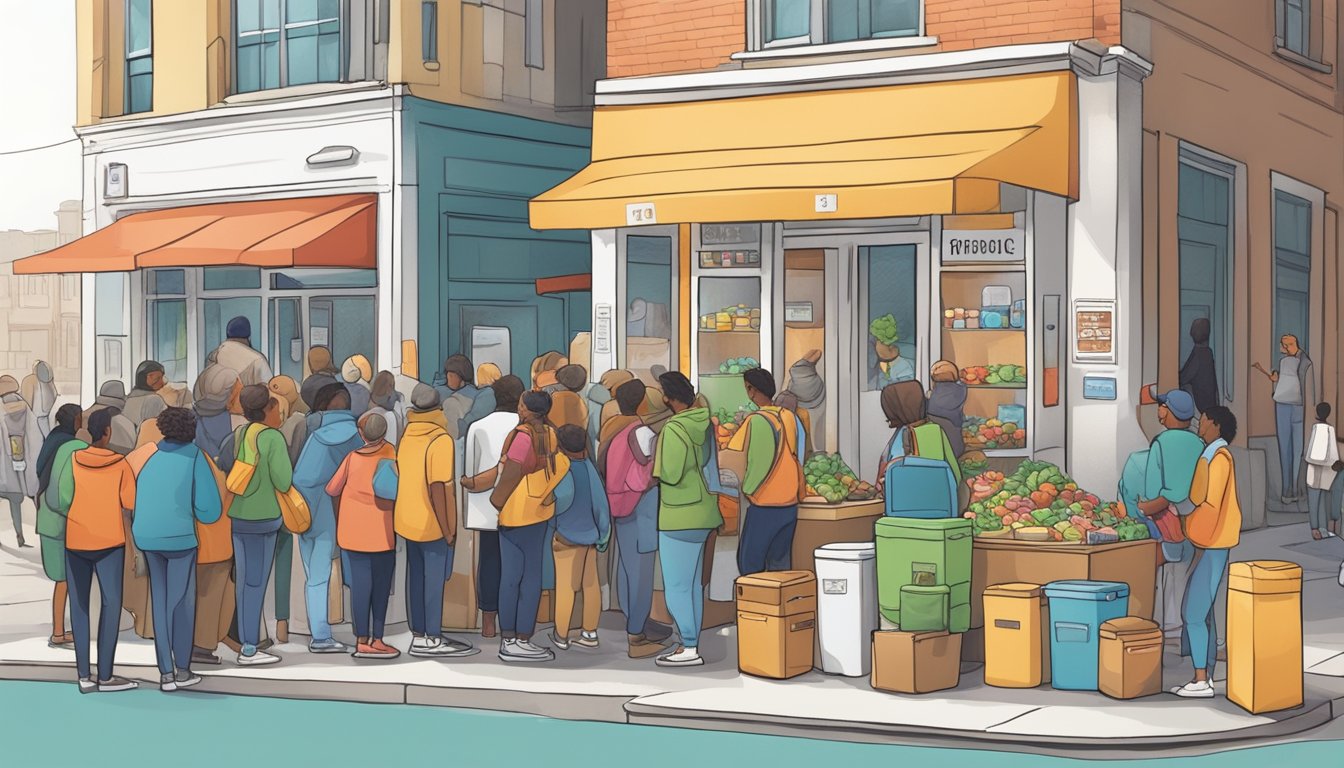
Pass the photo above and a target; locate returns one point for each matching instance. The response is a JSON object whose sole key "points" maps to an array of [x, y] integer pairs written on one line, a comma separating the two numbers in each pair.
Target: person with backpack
{"points": [[176, 492], [687, 513], [425, 515], [364, 532], [530, 470], [914, 434], [582, 529], [96, 491], [55, 454], [773, 483], [322, 454]]}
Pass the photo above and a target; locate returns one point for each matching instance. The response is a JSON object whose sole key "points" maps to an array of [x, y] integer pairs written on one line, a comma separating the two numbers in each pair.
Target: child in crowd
{"points": [[583, 527]]}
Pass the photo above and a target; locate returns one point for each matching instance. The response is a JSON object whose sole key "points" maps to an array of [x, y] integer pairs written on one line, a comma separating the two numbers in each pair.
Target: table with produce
{"points": [[839, 507]]}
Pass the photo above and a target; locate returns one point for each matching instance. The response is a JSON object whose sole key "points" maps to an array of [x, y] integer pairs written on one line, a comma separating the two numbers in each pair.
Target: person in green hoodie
{"points": [[56, 451], [687, 513], [256, 514]]}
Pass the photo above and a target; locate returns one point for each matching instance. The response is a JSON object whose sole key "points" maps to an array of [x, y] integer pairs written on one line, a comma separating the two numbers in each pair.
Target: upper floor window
{"points": [[139, 56], [534, 54], [429, 30], [279, 43], [1295, 25], [814, 22]]}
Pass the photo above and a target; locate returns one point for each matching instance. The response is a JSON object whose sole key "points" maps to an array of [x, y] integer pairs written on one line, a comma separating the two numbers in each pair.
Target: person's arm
{"points": [[1273, 376], [1156, 496], [205, 500], [602, 513], [66, 485], [271, 445], [126, 491], [673, 455], [510, 469], [440, 470], [1220, 475]]}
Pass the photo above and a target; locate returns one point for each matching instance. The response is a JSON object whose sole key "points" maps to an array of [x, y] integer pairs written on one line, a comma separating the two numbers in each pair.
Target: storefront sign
{"points": [[826, 204], [640, 214], [1099, 388], [798, 312], [984, 245], [602, 329], [1094, 331], [730, 234]]}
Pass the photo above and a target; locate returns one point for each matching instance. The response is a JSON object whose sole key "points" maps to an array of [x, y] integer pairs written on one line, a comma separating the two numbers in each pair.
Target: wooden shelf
{"points": [[729, 333], [1005, 453], [1009, 387], [984, 330]]}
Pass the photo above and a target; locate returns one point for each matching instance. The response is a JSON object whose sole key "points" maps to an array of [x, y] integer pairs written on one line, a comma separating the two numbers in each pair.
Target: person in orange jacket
{"points": [[97, 490]]}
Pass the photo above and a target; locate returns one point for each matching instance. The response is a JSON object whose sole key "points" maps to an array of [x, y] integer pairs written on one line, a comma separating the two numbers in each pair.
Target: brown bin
{"points": [[916, 662], [1129, 663], [777, 593], [776, 623]]}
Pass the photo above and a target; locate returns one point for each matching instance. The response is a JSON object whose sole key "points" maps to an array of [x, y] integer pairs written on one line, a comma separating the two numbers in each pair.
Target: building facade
{"points": [[39, 314]]}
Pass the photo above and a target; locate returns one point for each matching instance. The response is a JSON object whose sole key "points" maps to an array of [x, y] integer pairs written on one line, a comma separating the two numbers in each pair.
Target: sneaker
{"points": [[258, 658], [167, 683], [441, 648], [384, 648], [86, 685], [587, 640], [369, 651], [681, 657], [559, 642], [419, 641], [642, 648], [60, 643], [115, 684], [330, 645], [525, 651], [656, 632], [202, 656], [1194, 690], [186, 679]]}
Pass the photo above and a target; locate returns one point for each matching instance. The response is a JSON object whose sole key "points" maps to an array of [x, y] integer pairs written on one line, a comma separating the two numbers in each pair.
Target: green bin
{"points": [[925, 553]]}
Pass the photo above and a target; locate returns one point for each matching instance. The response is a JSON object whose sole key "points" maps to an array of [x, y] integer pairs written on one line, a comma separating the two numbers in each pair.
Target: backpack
{"points": [[914, 486], [786, 473]]}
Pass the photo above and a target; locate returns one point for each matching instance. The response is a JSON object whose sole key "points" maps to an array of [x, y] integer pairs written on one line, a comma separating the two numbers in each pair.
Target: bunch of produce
{"points": [[973, 463], [992, 433], [829, 477], [738, 365], [1039, 496], [1006, 374], [884, 330], [726, 423]]}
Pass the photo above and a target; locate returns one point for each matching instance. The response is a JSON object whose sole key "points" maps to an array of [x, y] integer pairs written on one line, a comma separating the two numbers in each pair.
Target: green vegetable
{"points": [[884, 329]]}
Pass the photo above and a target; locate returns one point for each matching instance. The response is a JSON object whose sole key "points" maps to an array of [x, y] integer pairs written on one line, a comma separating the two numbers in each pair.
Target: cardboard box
{"points": [[1129, 659], [774, 646], [916, 662], [777, 593], [821, 524]]}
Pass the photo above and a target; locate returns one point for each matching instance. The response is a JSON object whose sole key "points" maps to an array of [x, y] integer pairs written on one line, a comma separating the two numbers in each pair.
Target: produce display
{"points": [[726, 423], [884, 329], [737, 318], [995, 375], [739, 365], [992, 434], [973, 463], [829, 477], [1039, 502]]}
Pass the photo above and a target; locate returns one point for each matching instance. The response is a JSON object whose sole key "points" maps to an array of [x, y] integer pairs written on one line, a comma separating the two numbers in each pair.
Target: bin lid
{"points": [[921, 528], [1014, 589], [1265, 577], [1130, 628], [1087, 590], [846, 550], [776, 579]]}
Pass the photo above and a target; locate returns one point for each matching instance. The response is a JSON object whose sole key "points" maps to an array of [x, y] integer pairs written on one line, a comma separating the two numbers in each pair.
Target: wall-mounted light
{"points": [[338, 155]]}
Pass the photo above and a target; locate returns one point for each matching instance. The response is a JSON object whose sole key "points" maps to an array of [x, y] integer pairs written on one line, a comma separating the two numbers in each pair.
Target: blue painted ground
{"points": [[47, 724]]}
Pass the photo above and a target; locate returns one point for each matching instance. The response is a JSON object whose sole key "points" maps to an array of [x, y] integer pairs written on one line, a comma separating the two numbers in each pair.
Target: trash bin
{"points": [[1130, 660], [925, 553], [1016, 643], [776, 623], [1077, 611], [1264, 635], [846, 606]]}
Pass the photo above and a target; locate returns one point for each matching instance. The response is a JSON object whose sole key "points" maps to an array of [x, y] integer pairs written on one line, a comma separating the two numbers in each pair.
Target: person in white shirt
{"points": [[1323, 467], [1294, 387], [484, 446]]}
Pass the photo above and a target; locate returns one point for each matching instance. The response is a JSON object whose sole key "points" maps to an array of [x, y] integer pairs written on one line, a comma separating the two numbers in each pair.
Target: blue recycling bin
{"points": [[1077, 611]]}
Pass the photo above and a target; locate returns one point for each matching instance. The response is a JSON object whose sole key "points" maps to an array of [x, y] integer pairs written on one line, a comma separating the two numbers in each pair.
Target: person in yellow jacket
{"points": [[1214, 528]]}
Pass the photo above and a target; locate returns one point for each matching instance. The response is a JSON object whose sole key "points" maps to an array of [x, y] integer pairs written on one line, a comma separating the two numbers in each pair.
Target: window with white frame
{"points": [[279, 43], [139, 57], [1294, 25], [783, 23]]}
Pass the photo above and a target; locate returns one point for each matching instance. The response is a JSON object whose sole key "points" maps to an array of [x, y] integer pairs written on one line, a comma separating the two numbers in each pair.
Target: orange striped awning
{"points": [[327, 231]]}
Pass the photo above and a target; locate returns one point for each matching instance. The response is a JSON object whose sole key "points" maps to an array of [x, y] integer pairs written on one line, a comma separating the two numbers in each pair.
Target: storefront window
{"points": [[343, 324], [650, 302], [168, 336], [216, 314], [166, 282], [295, 279], [891, 327], [1204, 229], [805, 335], [231, 278], [1292, 270], [729, 338]]}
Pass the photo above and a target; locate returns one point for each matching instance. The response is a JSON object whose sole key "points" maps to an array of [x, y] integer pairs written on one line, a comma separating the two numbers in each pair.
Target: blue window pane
{"points": [[226, 278], [892, 273], [842, 21], [301, 59], [168, 337], [140, 93], [329, 9], [295, 279], [167, 282], [249, 15], [249, 68], [270, 14], [140, 66], [329, 58], [429, 31], [109, 297], [138, 31], [307, 30], [300, 10], [329, 27], [270, 65], [895, 17], [789, 18]]}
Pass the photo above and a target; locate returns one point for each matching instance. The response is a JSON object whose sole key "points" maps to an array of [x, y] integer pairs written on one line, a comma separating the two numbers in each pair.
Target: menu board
{"points": [[1094, 331]]}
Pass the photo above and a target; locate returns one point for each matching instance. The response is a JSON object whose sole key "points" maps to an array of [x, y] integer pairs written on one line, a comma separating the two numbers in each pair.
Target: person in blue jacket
{"points": [[326, 448], [582, 529], [179, 490]]}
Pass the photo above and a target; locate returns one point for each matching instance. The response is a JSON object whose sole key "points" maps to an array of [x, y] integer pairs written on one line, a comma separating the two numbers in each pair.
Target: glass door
{"points": [[805, 320], [343, 324], [890, 338], [287, 347]]}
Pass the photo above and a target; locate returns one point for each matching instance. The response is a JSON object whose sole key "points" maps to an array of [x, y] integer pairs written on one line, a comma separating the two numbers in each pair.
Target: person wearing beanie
{"points": [[582, 530], [216, 389], [357, 375], [947, 402], [236, 352], [144, 403], [602, 405], [321, 372], [544, 369], [111, 395]]}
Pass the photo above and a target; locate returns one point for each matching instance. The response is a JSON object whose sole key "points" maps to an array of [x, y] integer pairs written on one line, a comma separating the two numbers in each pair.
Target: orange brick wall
{"points": [[657, 36]]}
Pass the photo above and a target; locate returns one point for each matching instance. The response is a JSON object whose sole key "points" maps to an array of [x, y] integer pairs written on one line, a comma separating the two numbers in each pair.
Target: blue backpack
{"points": [[915, 486]]}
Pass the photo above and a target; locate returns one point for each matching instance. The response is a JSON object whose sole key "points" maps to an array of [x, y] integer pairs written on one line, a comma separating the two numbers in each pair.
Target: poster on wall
{"points": [[1094, 329]]}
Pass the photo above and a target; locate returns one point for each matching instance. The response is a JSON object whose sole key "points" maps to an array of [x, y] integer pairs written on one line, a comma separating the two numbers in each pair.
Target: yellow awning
{"points": [[889, 151]]}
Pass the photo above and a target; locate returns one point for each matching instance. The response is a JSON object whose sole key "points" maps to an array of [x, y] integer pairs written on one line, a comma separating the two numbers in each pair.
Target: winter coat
{"points": [[176, 490], [322, 455], [20, 445]]}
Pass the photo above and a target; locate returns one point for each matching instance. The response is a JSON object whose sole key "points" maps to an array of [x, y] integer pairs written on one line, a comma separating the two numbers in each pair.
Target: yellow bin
{"points": [[1016, 644], [1264, 635]]}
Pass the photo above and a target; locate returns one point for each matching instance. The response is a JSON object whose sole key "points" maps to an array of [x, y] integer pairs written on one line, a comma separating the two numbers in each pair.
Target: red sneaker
{"points": [[385, 649]]}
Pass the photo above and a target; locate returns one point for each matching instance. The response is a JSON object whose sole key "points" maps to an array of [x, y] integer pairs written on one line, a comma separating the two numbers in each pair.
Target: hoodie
{"points": [[322, 455], [685, 503], [18, 430], [95, 487], [582, 516], [947, 406], [178, 490], [257, 503]]}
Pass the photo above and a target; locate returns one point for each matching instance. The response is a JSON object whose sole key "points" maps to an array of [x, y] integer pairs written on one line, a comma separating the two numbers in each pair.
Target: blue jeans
{"points": [[1199, 637], [370, 590], [1288, 429], [80, 568], [487, 571], [767, 539], [428, 564], [172, 592], [316, 549], [253, 554], [634, 583], [682, 555], [522, 552]]}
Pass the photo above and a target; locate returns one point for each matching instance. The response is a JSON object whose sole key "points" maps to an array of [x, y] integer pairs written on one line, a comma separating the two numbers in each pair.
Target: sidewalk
{"points": [[604, 685]]}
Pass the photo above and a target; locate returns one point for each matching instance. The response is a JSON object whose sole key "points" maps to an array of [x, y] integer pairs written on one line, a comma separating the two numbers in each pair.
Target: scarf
{"points": [[60, 435]]}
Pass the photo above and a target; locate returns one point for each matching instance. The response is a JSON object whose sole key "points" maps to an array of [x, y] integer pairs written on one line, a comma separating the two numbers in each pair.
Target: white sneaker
{"points": [[442, 648], [117, 684], [419, 641], [562, 643], [258, 659], [87, 685], [681, 657], [186, 679], [167, 683], [525, 651], [1194, 690], [588, 640]]}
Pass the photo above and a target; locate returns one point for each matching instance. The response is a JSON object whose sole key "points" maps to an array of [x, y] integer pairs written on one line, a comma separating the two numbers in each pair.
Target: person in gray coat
{"points": [[20, 443]]}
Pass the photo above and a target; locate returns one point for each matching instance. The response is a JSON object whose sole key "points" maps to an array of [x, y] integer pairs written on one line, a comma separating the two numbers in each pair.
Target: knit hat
{"points": [[112, 394], [239, 328], [356, 368], [214, 389], [425, 398], [572, 377]]}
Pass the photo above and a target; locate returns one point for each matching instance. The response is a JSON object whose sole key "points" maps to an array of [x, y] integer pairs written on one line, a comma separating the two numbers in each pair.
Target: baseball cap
{"points": [[1180, 403]]}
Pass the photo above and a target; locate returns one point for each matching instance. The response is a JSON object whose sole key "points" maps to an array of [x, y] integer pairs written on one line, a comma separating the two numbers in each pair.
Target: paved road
{"points": [[146, 729]]}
